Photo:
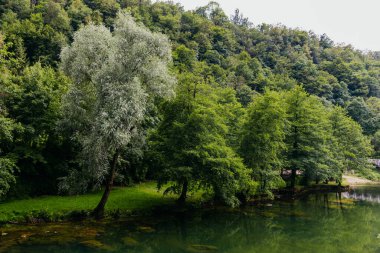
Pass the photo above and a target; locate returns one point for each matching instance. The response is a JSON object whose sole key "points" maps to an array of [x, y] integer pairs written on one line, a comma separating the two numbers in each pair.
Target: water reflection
{"points": [[335, 222], [369, 194]]}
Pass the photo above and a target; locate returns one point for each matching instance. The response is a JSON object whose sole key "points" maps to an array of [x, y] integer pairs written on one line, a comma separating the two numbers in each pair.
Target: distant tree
{"points": [[79, 13], [56, 16], [107, 8], [375, 141], [20, 7], [115, 76], [184, 58], [39, 41], [325, 41], [361, 113], [8, 160], [352, 147], [33, 100], [239, 19]]}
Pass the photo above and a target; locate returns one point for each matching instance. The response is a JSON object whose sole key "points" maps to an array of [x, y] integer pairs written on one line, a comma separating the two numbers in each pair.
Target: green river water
{"points": [[320, 223]]}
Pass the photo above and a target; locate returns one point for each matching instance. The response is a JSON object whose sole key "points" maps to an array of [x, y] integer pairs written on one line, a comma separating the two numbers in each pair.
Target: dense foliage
{"points": [[192, 143], [254, 103]]}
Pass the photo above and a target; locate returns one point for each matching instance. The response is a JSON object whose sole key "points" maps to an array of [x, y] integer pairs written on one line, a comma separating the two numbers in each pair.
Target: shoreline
{"points": [[358, 181], [38, 215]]}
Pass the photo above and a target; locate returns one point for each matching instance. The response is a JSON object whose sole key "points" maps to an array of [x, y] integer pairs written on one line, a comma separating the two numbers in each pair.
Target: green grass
{"points": [[129, 199]]}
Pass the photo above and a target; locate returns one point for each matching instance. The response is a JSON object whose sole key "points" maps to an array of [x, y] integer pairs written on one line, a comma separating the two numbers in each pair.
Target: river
{"points": [[325, 223]]}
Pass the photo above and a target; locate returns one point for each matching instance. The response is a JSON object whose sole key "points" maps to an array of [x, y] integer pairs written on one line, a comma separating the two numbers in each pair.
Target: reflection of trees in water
{"points": [[322, 223], [368, 196], [336, 225], [232, 232]]}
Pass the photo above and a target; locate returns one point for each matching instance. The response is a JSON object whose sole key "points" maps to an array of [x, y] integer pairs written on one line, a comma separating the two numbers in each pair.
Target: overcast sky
{"points": [[355, 22]]}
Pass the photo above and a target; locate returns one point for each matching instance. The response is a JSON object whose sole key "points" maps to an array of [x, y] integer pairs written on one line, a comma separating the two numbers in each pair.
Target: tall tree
{"points": [[115, 75], [8, 160], [307, 135], [33, 100], [353, 148], [191, 144], [263, 139]]}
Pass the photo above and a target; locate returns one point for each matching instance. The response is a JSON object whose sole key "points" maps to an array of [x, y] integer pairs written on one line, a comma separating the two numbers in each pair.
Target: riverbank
{"points": [[123, 201], [322, 223], [354, 180], [140, 199]]}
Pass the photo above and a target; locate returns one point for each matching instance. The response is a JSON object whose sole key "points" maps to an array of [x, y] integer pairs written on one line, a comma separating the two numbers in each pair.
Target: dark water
{"points": [[320, 223]]}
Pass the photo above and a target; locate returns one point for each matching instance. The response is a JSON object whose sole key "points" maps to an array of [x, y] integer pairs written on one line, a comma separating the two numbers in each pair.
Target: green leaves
{"points": [[263, 139], [8, 128], [353, 148], [194, 134], [116, 76], [295, 131], [7, 169], [120, 71]]}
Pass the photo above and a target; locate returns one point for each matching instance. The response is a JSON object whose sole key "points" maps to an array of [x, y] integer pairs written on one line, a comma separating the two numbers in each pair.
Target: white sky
{"points": [[355, 22]]}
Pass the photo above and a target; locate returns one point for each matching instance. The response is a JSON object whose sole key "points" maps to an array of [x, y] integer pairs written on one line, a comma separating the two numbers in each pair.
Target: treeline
{"points": [[256, 107]]}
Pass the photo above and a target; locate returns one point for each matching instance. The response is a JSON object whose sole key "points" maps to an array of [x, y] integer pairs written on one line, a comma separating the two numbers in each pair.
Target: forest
{"points": [[103, 93]]}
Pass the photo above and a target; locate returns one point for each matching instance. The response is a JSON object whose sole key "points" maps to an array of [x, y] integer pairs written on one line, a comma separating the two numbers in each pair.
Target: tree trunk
{"points": [[293, 178], [99, 210], [182, 198]]}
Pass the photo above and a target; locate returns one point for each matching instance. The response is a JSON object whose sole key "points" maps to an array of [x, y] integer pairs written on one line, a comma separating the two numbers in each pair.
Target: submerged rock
{"points": [[129, 241], [97, 245], [26, 235], [268, 214], [89, 232], [199, 248], [146, 229]]}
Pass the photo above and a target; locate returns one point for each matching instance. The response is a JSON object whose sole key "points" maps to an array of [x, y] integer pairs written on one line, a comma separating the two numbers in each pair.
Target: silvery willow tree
{"points": [[115, 77]]}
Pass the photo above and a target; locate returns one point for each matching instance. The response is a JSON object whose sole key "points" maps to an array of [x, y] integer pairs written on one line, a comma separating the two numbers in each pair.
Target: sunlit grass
{"points": [[139, 197]]}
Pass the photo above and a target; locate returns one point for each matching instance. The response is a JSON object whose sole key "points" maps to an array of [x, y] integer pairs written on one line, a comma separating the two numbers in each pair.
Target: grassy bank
{"points": [[142, 197], [138, 199]]}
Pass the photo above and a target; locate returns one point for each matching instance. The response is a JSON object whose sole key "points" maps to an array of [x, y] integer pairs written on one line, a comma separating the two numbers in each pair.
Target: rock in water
{"points": [[97, 245], [198, 248], [129, 241], [146, 229]]}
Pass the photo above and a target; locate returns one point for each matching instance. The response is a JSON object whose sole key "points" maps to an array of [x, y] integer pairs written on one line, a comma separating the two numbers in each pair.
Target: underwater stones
{"points": [[298, 214], [268, 214], [129, 241], [199, 248], [4, 234], [89, 232], [26, 235], [146, 229], [94, 244]]}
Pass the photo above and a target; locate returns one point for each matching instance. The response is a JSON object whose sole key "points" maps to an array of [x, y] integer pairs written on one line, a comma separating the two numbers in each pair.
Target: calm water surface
{"points": [[319, 223]]}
